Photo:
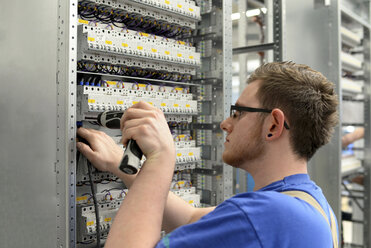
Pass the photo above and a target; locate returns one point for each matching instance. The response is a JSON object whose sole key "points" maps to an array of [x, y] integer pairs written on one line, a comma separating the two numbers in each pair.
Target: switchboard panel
{"points": [[172, 54]]}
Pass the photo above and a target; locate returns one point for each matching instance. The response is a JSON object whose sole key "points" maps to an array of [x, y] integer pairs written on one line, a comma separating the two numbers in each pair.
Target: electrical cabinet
{"points": [[174, 55], [63, 63]]}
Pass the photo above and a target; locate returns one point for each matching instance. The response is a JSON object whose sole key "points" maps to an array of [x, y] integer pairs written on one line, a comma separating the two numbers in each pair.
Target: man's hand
{"points": [[138, 222], [148, 127], [103, 152]]}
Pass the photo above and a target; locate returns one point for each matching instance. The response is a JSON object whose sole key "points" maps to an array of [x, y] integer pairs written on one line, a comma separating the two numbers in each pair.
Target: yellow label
{"points": [[190, 201], [191, 57], [135, 102], [91, 101], [83, 21], [179, 55], [187, 105], [181, 42], [120, 102], [111, 82], [82, 198], [91, 39], [140, 48], [167, 52], [108, 42], [142, 85], [124, 44], [176, 105], [179, 89], [154, 50], [108, 219], [150, 103], [90, 223], [181, 136], [190, 9], [181, 183], [179, 6], [190, 154], [144, 34], [167, 2], [163, 104], [179, 154]]}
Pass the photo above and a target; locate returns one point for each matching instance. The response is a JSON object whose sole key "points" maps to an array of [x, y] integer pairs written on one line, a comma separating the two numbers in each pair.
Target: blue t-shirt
{"points": [[264, 219]]}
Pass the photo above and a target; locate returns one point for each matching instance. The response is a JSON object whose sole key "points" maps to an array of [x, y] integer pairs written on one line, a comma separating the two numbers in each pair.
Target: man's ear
{"points": [[275, 125]]}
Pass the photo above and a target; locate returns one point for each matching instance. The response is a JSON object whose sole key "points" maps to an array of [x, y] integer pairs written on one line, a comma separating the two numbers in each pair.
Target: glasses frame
{"points": [[256, 110]]}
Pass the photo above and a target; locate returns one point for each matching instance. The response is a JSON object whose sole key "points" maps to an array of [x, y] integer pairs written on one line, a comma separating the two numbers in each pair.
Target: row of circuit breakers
{"points": [[131, 51]]}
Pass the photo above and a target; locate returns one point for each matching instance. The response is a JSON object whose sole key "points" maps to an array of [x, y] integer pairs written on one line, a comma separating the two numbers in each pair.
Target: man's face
{"points": [[244, 141]]}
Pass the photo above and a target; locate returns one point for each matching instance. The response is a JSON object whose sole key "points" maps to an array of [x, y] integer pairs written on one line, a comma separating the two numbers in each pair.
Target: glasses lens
{"points": [[234, 113]]}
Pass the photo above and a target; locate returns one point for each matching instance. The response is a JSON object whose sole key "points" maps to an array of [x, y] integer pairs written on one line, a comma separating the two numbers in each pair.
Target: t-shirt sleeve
{"points": [[226, 226]]}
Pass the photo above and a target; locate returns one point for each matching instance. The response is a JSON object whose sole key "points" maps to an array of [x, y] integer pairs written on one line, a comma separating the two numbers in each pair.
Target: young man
{"points": [[286, 112]]}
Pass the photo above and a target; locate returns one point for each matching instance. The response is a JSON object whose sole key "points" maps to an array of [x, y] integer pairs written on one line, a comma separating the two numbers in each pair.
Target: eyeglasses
{"points": [[234, 109]]}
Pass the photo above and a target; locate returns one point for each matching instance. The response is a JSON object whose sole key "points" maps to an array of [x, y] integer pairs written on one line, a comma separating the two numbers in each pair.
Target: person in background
{"points": [[350, 138], [284, 115]]}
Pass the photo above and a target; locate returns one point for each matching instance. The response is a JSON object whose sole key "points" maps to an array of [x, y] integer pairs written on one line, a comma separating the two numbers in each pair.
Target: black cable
{"points": [[92, 191], [95, 203]]}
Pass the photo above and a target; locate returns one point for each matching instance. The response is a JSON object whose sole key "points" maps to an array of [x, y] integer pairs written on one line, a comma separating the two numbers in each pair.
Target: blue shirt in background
{"points": [[264, 219]]}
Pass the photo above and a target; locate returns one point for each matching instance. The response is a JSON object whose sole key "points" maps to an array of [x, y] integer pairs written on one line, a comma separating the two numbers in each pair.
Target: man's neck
{"points": [[271, 169]]}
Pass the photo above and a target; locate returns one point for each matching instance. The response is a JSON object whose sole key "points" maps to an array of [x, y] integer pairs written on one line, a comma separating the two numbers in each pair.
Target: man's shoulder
{"points": [[272, 204], [259, 199]]}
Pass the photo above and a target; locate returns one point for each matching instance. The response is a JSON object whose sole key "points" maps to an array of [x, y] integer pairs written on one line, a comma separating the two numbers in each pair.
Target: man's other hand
{"points": [[103, 152]]}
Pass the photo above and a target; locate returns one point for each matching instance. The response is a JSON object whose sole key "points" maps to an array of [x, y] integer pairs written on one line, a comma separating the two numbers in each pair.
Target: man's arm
{"points": [[177, 212], [106, 156], [138, 221], [352, 137]]}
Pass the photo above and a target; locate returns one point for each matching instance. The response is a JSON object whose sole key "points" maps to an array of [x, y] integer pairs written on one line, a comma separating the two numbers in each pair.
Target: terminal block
{"points": [[109, 202], [187, 194], [171, 100], [132, 44]]}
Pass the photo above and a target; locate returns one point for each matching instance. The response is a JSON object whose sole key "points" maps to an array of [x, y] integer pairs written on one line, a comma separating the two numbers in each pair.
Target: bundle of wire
{"points": [[96, 207], [121, 70], [120, 18], [179, 125]]}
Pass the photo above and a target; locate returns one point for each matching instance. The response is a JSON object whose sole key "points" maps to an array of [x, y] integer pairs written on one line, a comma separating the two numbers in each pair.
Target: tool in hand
{"points": [[132, 155]]}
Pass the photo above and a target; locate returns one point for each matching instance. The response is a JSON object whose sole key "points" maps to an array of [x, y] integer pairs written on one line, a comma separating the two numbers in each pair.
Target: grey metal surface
{"points": [[279, 27], [28, 48], [313, 38], [66, 124], [367, 138], [227, 87]]}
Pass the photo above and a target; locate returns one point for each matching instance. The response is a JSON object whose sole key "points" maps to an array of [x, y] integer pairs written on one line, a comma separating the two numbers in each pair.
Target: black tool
{"points": [[132, 155]]}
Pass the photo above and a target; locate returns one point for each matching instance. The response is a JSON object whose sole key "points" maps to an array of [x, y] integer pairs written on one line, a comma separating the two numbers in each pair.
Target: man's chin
{"points": [[231, 160]]}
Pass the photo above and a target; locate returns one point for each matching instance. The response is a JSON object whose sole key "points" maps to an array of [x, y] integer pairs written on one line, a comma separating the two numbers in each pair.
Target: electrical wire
{"points": [[93, 196], [122, 70], [94, 12], [96, 207], [86, 243]]}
